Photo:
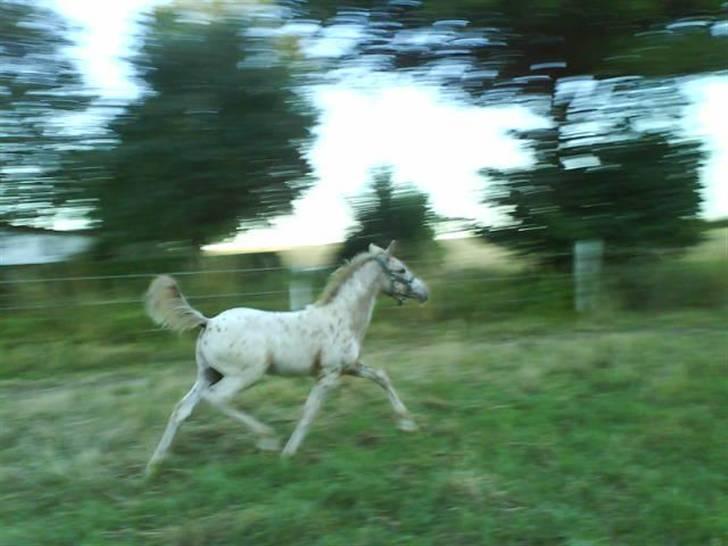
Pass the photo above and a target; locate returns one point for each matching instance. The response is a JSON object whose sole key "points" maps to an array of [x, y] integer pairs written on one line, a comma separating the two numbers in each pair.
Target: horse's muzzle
{"points": [[420, 291]]}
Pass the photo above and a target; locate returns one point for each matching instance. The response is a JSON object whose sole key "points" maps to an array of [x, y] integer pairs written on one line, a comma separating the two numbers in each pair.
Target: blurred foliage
{"points": [[540, 40], [217, 140], [588, 36], [690, 50], [636, 194], [645, 192], [38, 87], [386, 214], [667, 285], [534, 52]]}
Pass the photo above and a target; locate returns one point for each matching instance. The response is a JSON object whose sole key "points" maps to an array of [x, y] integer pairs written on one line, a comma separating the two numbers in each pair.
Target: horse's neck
{"points": [[356, 298]]}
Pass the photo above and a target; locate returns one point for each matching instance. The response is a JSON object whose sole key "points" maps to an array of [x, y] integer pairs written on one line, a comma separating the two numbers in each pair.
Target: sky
{"points": [[431, 141]]}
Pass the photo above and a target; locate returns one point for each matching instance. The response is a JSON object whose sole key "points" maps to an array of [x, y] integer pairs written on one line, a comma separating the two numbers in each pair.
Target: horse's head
{"points": [[398, 281]]}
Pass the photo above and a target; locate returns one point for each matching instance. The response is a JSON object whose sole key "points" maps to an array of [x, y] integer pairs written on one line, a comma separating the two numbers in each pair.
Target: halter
{"points": [[393, 278]]}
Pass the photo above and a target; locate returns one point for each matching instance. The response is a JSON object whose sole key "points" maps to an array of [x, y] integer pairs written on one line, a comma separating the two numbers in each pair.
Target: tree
{"points": [[645, 192], [527, 45], [385, 214], [216, 140], [636, 193], [38, 87], [528, 50]]}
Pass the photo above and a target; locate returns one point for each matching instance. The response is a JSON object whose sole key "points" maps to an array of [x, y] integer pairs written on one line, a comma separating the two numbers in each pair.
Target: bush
{"points": [[669, 285]]}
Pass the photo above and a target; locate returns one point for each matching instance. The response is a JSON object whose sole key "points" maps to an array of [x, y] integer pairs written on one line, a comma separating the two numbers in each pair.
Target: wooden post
{"points": [[587, 274]]}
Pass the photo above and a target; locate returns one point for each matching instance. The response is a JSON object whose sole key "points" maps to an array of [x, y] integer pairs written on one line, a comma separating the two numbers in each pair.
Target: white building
{"points": [[24, 245]]}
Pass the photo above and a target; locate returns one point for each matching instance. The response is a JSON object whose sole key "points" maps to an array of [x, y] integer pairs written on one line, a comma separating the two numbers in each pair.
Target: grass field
{"points": [[578, 434]]}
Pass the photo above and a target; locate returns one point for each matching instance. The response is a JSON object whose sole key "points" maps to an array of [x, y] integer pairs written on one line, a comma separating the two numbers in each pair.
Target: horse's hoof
{"points": [[151, 471], [407, 425], [268, 443]]}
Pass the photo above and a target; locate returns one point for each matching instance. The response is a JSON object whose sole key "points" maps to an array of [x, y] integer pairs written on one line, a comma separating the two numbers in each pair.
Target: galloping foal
{"points": [[239, 346]]}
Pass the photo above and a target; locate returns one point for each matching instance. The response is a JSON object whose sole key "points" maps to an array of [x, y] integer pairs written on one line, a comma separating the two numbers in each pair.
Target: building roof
{"points": [[44, 231]]}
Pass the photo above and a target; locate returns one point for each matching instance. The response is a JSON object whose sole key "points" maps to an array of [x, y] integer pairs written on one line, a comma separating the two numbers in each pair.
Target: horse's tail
{"points": [[166, 305]]}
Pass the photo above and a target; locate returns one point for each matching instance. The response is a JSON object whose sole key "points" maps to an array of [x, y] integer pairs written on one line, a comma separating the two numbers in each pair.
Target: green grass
{"points": [[609, 431]]}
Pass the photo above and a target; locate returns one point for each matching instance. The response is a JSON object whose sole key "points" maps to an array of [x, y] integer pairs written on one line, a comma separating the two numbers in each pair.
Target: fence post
{"points": [[300, 289], [587, 274]]}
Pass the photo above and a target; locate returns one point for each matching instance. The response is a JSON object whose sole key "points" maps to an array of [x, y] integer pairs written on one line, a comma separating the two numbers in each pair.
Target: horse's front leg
{"points": [[310, 409], [405, 421]]}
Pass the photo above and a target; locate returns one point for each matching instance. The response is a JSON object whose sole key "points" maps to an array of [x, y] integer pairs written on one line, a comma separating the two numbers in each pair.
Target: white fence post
{"points": [[587, 274], [300, 290]]}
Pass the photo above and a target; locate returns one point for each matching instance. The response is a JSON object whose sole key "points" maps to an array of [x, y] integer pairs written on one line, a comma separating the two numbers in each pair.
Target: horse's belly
{"points": [[236, 350], [287, 364]]}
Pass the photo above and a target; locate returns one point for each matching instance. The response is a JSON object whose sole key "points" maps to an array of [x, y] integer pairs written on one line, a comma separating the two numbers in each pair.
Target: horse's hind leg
{"points": [[219, 395], [181, 412]]}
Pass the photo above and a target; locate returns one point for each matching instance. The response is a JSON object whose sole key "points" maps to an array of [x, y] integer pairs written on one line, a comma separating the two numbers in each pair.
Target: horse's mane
{"points": [[341, 275]]}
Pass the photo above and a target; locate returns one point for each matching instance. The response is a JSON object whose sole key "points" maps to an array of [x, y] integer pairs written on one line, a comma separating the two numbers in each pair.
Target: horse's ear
{"points": [[374, 249], [391, 248]]}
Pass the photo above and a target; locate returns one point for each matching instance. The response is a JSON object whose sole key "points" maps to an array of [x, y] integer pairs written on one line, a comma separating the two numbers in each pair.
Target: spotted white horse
{"points": [[236, 348]]}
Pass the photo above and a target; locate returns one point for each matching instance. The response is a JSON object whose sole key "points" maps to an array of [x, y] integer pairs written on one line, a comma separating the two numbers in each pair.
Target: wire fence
{"points": [[79, 316], [139, 275], [444, 276], [442, 283], [442, 279], [137, 301], [632, 252]]}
